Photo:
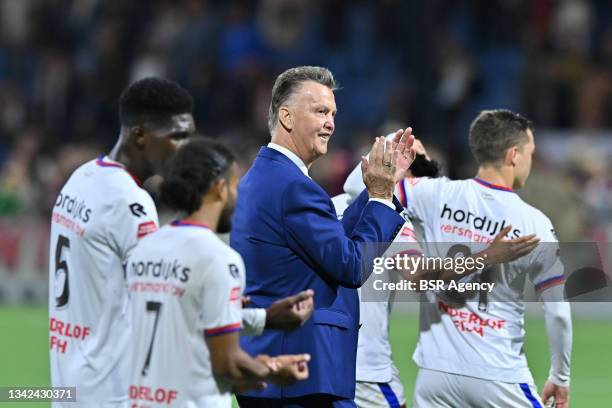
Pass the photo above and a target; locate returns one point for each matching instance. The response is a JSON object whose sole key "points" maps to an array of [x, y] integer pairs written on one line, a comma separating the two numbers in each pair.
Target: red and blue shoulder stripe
{"points": [[217, 331], [549, 283]]}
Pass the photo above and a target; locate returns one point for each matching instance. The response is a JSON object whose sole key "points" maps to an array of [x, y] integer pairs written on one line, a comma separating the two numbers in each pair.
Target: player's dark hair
{"points": [[192, 172], [421, 167], [289, 81], [495, 131], [153, 99]]}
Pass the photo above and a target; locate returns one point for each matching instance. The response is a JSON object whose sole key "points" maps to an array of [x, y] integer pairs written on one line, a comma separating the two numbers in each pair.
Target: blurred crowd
{"points": [[431, 64]]}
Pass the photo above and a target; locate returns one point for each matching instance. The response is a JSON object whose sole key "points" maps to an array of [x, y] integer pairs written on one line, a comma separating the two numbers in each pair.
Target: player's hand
{"points": [[560, 395], [268, 361], [504, 250], [407, 146], [245, 300], [291, 312], [240, 386], [289, 369]]}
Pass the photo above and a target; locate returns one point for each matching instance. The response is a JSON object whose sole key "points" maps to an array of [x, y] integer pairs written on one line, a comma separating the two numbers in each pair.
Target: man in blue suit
{"points": [[285, 228]]}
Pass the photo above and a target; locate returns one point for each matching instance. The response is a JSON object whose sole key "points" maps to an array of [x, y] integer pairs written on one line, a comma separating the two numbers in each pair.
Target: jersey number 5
{"points": [[61, 268], [156, 308]]}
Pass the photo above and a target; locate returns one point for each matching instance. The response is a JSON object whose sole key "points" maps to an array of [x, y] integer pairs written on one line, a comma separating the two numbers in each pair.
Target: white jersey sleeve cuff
{"points": [[557, 380], [253, 321]]}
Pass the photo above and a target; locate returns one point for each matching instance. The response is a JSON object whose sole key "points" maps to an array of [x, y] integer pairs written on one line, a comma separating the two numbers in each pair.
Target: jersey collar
{"points": [[182, 223], [104, 161], [493, 186]]}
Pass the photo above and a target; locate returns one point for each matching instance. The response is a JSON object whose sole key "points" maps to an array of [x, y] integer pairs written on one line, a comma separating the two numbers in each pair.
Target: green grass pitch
{"points": [[24, 358]]}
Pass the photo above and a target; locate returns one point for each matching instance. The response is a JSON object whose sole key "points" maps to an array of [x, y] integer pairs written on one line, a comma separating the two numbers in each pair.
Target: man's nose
{"points": [[329, 124]]}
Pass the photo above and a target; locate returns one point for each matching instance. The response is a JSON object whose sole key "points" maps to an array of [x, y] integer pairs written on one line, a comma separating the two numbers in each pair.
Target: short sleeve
{"points": [[221, 292], [130, 219]]}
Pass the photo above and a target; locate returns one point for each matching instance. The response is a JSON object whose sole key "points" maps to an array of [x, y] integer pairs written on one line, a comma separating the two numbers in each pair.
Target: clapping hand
{"points": [[406, 146], [388, 159]]}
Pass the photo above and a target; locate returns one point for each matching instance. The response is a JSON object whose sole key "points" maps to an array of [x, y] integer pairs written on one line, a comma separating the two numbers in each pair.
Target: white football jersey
{"points": [[97, 220], [185, 284], [374, 357], [478, 334]]}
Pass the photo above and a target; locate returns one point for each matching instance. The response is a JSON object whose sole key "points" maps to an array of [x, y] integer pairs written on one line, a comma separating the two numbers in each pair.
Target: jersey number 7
{"points": [[156, 308]]}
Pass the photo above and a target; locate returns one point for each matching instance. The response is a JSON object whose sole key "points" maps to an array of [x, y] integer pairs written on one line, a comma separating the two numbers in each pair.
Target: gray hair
{"points": [[495, 131], [289, 81]]}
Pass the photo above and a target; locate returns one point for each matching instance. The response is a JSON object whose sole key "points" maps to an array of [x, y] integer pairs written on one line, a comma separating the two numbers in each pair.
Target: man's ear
{"points": [[220, 187], [512, 155], [137, 136], [285, 118]]}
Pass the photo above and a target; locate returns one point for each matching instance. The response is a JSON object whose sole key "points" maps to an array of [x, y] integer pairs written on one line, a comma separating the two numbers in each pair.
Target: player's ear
{"points": [[221, 189], [285, 118], [512, 155], [137, 136]]}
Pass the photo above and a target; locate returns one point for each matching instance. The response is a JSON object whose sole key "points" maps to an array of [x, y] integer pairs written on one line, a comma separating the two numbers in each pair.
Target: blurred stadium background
{"points": [[430, 64]]}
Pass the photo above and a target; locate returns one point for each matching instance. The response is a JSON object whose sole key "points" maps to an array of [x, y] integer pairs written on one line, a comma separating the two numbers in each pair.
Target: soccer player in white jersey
{"points": [[378, 379], [99, 216], [470, 349], [185, 288]]}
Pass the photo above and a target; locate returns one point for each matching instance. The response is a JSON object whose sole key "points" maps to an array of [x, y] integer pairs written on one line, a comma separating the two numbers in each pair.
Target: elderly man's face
{"points": [[313, 107]]}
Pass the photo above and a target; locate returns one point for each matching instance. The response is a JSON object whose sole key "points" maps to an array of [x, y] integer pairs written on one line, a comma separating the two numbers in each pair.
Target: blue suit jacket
{"points": [[285, 228]]}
